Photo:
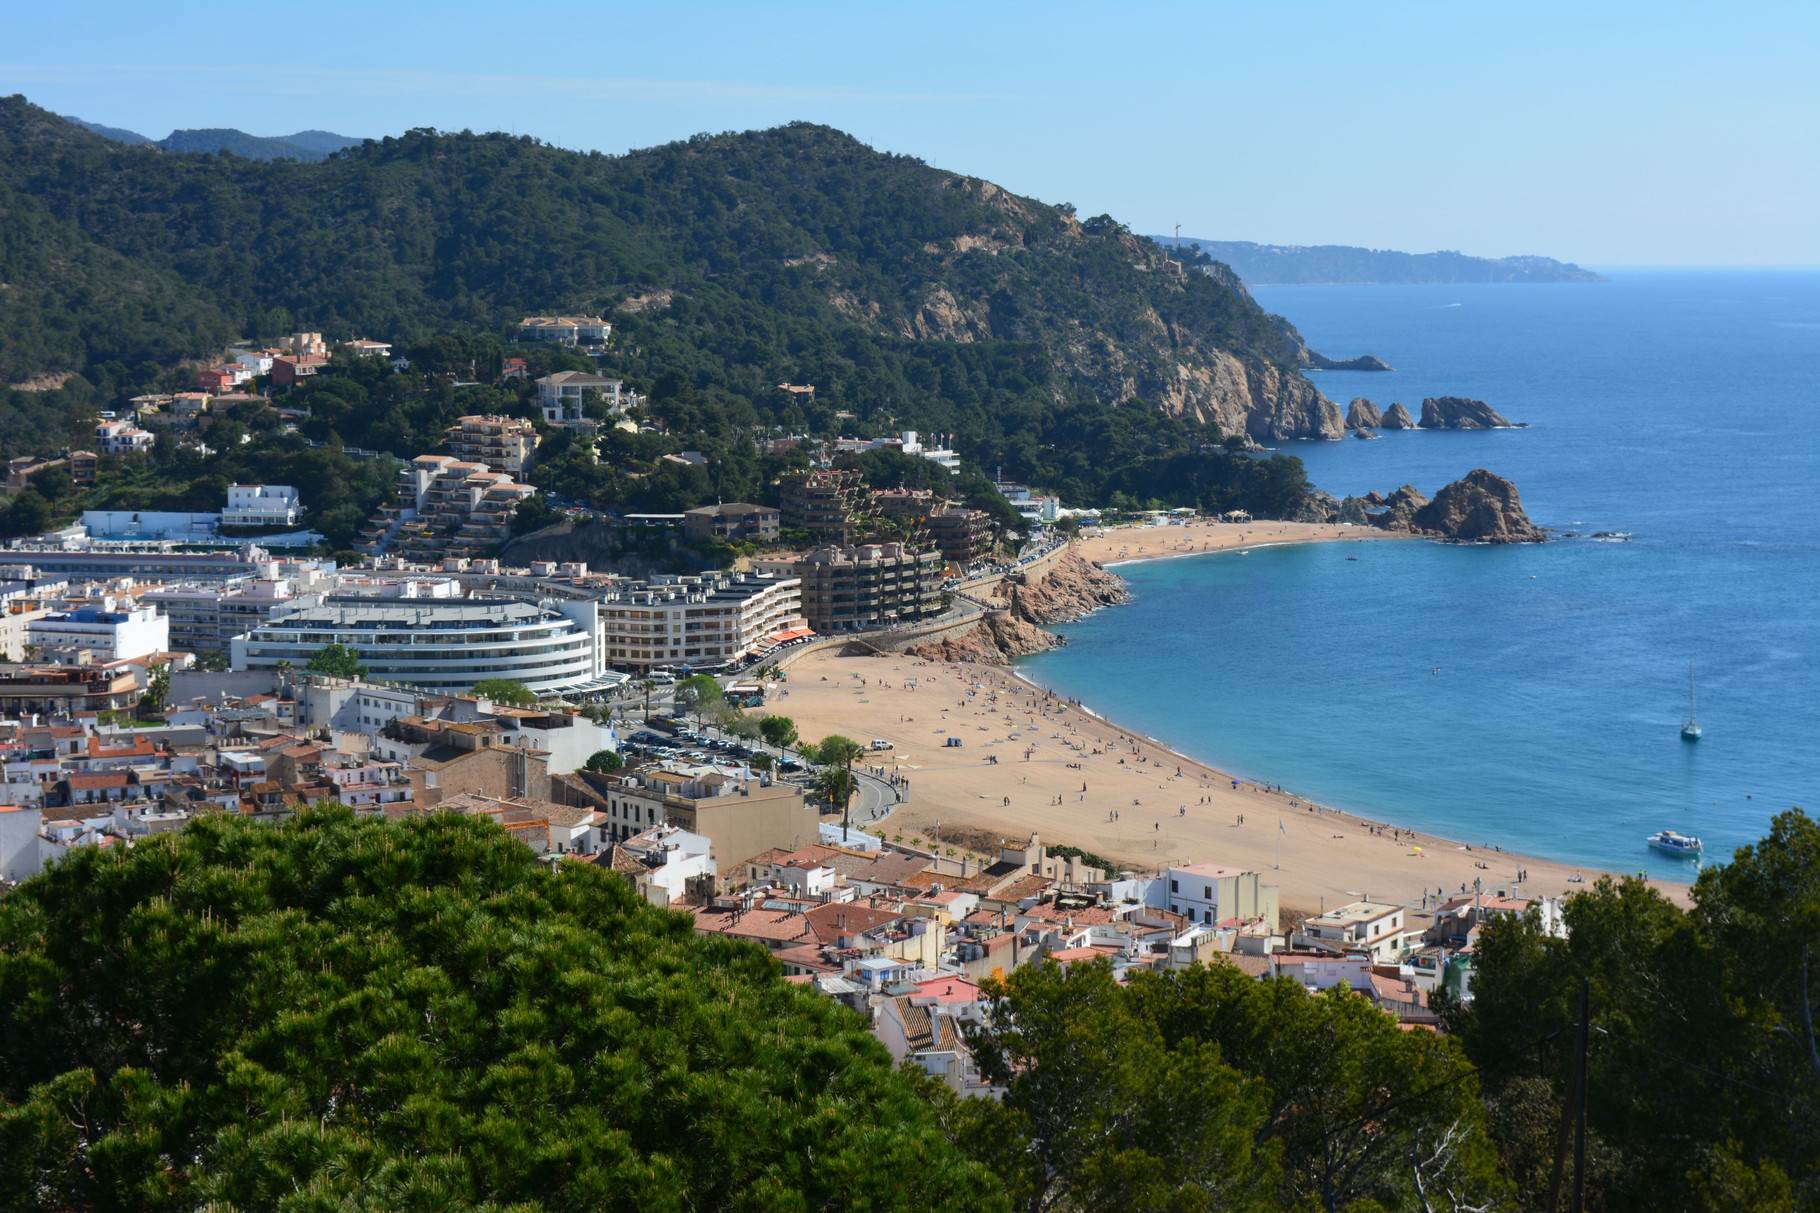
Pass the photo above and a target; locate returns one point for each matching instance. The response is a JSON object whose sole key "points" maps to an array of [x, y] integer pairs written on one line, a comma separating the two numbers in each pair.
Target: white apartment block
{"points": [[697, 621], [106, 634], [262, 505]]}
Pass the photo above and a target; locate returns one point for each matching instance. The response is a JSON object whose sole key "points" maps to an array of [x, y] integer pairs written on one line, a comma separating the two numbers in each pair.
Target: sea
{"points": [[1526, 696]]}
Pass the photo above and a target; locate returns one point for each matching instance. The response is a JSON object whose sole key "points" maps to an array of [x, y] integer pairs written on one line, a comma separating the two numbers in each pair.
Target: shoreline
{"points": [[1086, 766]]}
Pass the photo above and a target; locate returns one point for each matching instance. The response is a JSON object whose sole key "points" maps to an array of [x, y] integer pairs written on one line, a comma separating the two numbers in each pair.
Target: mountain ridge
{"points": [[767, 230], [1329, 264], [308, 146]]}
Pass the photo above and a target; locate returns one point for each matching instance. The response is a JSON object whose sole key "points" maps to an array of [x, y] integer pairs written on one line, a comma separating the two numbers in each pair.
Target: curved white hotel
{"points": [[445, 646]]}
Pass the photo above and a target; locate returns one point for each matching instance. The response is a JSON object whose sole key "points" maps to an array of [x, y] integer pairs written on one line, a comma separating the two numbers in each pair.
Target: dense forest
{"points": [[334, 1013], [1056, 350]]}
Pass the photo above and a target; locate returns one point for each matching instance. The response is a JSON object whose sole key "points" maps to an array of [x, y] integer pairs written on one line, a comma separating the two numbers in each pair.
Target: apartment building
{"points": [[825, 502], [702, 622], [504, 444], [440, 645], [1375, 928], [869, 586], [446, 507], [262, 505], [740, 817], [107, 634], [961, 535], [733, 523]]}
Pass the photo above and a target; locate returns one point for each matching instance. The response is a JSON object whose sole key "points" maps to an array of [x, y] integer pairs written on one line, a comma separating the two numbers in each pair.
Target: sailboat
{"points": [[1690, 728]]}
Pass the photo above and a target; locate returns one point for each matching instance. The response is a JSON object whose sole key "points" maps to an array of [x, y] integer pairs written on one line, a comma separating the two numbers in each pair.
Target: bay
{"points": [[1527, 696]]}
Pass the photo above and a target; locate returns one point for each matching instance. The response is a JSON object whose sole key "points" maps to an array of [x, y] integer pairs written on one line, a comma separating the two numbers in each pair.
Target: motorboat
{"points": [[1671, 843]]}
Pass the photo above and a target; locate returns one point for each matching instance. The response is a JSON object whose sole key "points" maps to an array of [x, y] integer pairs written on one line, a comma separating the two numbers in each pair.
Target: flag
{"points": [[1280, 827]]}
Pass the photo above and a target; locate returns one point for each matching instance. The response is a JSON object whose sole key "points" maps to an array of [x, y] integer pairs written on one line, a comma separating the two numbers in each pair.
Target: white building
{"points": [[560, 395], [121, 438], [20, 855], [259, 362], [565, 330], [445, 646], [262, 505], [669, 858], [106, 634], [703, 621], [1372, 927], [1211, 893]]}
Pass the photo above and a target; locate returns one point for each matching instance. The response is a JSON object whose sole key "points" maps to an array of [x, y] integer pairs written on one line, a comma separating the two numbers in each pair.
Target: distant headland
{"points": [[1321, 264]]}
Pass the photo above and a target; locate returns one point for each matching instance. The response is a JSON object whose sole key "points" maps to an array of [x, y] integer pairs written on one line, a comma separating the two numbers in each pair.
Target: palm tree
{"points": [[838, 751]]}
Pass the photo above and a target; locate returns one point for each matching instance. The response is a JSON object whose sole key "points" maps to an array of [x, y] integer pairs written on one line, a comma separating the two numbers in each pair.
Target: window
{"points": [[1207, 892], [1173, 888]]}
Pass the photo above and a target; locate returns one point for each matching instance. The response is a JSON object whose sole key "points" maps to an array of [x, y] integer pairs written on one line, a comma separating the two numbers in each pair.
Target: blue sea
{"points": [[1527, 696]]}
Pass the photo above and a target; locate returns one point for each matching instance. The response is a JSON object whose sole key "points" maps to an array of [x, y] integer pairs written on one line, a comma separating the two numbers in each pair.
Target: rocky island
{"points": [[1460, 413], [1481, 507], [1396, 417]]}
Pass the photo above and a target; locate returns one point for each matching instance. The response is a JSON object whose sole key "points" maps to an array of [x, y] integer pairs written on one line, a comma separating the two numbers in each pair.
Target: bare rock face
{"points": [[1397, 418], [1363, 415], [1073, 589], [1459, 413], [1318, 506], [1482, 507], [994, 640], [1399, 509]]}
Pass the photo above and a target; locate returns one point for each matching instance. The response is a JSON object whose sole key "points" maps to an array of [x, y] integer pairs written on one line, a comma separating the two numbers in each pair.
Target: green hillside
{"points": [[1069, 353]]}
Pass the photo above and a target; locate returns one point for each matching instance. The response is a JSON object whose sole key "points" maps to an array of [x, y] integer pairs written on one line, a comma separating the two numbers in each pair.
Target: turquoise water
{"points": [[1680, 407]]}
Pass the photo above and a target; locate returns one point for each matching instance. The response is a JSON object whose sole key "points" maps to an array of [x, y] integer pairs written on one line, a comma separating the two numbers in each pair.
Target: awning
{"points": [[790, 634]]}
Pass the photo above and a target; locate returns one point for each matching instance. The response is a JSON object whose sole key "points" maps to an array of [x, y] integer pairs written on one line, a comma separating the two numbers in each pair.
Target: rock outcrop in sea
{"points": [[1459, 413], [1481, 507], [1364, 362], [1396, 512], [1363, 415], [994, 640], [1396, 417]]}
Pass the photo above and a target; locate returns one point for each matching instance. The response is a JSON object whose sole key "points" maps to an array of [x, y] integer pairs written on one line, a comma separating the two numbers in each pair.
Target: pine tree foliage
{"points": [[354, 1014]]}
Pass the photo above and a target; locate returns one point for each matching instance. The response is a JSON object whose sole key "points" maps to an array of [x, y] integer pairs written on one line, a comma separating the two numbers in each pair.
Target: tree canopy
{"points": [[337, 659], [508, 691], [335, 1013]]}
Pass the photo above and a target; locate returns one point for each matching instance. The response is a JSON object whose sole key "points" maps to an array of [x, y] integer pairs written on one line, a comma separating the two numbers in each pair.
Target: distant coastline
{"points": [[1337, 264]]}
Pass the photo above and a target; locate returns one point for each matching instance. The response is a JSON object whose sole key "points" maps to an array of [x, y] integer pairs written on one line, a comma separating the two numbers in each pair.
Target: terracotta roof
{"points": [[830, 922], [105, 779], [891, 869], [771, 927]]}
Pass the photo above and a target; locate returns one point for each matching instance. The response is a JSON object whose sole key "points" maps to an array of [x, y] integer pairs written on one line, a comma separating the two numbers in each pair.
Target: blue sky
{"points": [[1606, 134]]}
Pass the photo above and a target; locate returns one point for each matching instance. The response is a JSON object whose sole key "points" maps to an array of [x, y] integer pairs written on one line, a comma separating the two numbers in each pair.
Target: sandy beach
{"points": [[1030, 762], [1119, 544]]}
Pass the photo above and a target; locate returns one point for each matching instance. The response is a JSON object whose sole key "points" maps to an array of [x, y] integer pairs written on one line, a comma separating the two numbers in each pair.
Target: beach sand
{"points": [[1064, 773], [1119, 544]]}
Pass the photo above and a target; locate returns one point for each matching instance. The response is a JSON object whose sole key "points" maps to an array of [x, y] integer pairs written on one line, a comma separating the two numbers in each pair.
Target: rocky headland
{"points": [[1396, 417], [1460, 413], [1073, 588], [1481, 507], [1364, 362]]}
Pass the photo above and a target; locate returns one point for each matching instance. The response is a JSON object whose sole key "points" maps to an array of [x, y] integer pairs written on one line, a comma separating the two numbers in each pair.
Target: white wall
{"points": [[20, 855]]}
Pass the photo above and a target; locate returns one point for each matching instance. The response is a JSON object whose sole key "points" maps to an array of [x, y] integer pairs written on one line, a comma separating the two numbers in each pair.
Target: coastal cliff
{"points": [[1460, 413], [1073, 588]]}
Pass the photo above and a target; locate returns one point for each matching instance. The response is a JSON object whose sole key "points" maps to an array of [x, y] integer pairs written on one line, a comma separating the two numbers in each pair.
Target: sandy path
{"points": [[1168, 808]]}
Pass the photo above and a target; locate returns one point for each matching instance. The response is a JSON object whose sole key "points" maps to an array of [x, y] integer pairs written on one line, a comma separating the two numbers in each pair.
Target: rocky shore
{"points": [[1481, 507], [1460, 413], [1073, 588]]}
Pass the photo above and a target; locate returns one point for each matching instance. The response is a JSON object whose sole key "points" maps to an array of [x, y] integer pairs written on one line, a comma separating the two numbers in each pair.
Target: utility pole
{"points": [[1573, 1113]]}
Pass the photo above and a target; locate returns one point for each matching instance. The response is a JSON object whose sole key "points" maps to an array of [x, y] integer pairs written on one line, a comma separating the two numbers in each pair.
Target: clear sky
{"points": [[1603, 133]]}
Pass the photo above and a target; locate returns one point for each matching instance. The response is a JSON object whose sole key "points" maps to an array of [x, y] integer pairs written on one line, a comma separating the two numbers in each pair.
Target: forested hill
{"points": [[1292, 264], [905, 293]]}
